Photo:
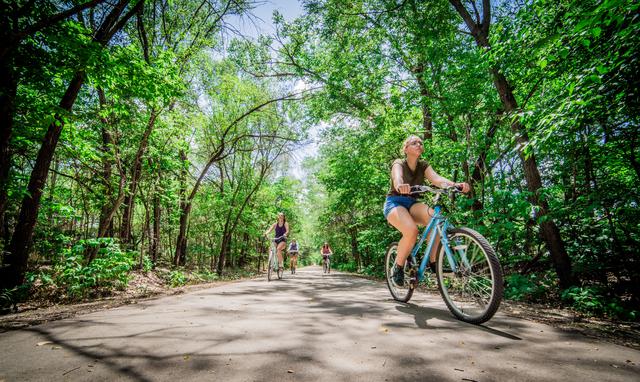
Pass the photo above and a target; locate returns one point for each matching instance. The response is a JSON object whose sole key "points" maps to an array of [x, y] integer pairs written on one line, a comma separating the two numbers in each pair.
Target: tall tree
{"points": [[479, 29], [18, 252]]}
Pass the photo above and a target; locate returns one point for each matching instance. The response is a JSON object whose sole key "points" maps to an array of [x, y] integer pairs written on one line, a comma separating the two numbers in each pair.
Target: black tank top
{"points": [[280, 230]]}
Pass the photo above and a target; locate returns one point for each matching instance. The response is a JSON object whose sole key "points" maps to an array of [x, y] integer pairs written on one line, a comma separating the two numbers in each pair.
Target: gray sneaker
{"points": [[398, 275]]}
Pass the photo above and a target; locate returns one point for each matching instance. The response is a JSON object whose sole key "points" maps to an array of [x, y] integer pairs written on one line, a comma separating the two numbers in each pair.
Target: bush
{"points": [[206, 275], [109, 269], [594, 300], [177, 278], [347, 267], [146, 264], [525, 288], [374, 270]]}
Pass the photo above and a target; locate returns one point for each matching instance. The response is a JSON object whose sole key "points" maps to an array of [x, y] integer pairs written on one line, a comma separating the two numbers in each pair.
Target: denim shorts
{"points": [[394, 201]]}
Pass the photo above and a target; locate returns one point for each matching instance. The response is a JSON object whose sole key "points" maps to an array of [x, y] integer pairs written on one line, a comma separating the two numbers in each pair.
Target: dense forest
{"points": [[142, 134]]}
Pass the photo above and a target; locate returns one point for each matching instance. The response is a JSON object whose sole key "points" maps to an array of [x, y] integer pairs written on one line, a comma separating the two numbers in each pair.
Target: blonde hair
{"points": [[406, 143]]}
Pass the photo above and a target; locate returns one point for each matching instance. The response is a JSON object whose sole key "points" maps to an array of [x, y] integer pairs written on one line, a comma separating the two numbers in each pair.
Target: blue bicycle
{"points": [[467, 269]]}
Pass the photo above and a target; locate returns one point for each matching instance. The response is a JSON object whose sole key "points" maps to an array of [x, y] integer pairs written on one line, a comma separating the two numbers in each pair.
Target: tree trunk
{"points": [[8, 88], [146, 231], [480, 167], [181, 243], [354, 247], [18, 253], [153, 251], [224, 249], [185, 209], [136, 172]]}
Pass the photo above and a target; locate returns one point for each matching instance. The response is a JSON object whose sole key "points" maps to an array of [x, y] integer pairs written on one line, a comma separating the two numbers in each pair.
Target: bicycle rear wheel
{"points": [[474, 291], [402, 292]]}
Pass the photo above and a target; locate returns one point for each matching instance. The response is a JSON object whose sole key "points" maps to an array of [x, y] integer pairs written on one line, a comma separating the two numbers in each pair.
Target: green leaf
{"points": [[543, 63]]}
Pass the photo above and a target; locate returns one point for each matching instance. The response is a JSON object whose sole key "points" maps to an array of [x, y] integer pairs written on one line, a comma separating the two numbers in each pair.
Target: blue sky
{"points": [[261, 23]]}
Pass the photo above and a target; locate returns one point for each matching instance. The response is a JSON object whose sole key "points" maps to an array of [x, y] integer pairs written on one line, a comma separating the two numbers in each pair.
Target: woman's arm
{"points": [[442, 182], [396, 177], [270, 229], [286, 227]]}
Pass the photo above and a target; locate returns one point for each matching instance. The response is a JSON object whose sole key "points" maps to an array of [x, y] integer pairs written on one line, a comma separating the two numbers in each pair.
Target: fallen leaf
{"points": [[43, 343], [458, 369], [186, 357], [290, 371]]}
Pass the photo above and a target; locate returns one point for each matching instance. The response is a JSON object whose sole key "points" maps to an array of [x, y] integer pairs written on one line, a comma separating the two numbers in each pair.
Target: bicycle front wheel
{"points": [[271, 256], [404, 291], [471, 280]]}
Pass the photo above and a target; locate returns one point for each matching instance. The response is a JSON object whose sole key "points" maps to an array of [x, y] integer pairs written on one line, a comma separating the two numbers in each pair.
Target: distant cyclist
{"points": [[326, 251], [404, 211], [282, 230], [293, 252]]}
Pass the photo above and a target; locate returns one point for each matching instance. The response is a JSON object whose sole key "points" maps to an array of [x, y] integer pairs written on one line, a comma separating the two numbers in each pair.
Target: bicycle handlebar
{"points": [[278, 238], [415, 190]]}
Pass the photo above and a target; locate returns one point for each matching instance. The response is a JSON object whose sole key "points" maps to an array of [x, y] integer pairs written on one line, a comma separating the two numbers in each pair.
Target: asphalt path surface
{"points": [[306, 327]]}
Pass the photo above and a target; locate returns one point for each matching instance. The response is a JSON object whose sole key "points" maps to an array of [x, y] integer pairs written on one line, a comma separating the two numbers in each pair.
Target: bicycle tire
{"points": [[270, 266], [473, 293], [404, 293]]}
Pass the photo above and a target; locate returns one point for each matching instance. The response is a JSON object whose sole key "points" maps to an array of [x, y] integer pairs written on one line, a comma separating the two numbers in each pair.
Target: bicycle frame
{"points": [[439, 225], [273, 254]]}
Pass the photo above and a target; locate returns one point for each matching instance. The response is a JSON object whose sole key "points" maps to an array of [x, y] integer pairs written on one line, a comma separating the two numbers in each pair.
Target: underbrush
{"points": [[589, 298]]}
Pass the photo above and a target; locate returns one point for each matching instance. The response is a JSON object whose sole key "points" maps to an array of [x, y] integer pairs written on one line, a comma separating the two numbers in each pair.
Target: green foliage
{"points": [[147, 264], [177, 278], [529, 287], [110, 268], [597, 300]]}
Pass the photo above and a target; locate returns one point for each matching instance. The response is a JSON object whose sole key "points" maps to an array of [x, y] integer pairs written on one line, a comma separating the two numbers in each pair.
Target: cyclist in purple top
{"points": [[282, 230]]}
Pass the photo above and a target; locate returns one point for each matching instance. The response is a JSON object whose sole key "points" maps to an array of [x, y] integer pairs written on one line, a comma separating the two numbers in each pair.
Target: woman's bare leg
{"points": [[402, 220], [422, 214], [281, 246]]}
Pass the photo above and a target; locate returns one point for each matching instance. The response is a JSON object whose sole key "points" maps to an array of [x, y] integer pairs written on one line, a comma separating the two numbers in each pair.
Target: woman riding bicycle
{"points": [[293, 252], [404, 211], [282, 230], [326, 251]]}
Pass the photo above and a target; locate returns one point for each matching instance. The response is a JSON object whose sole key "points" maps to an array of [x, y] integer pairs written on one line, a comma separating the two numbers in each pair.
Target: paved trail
{"points": [[307, 327]]}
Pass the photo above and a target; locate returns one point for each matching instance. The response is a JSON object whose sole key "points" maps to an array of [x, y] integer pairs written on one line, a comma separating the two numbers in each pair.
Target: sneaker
{"points": [[398, 275]]}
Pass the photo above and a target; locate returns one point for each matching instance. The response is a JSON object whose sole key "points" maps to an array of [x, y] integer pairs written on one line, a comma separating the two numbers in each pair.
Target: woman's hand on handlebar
{"points": [[463, 187], [403, 188]]}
